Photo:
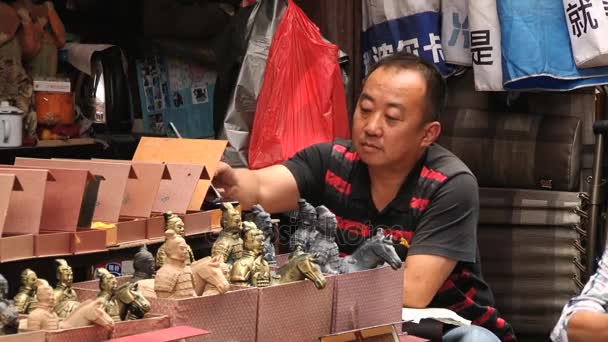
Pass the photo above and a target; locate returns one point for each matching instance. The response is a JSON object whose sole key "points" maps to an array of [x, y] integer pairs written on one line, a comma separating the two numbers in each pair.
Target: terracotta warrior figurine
{"points": [[251, 269], [264, 222], [25, 300], [66, 300], [143, 264], [43, 317], [107, 289], [229, 244], [175, 279], [324, 245], [176, 224], [306, 232], [9, 317]]}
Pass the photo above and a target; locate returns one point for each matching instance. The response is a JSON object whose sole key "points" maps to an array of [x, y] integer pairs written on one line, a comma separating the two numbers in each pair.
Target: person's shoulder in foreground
{"points": [[584, 317]]}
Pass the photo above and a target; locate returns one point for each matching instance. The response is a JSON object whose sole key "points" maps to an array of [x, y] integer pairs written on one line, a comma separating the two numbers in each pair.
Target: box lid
{"points": [[25, 207]]}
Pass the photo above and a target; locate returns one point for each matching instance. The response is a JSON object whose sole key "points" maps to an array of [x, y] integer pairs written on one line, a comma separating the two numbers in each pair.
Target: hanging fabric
{"points": [[455, 25], [485, 45], [588, 28]]}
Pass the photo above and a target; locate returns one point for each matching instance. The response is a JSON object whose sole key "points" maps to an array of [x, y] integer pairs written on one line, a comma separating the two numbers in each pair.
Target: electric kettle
{"points": [[11, 125]]}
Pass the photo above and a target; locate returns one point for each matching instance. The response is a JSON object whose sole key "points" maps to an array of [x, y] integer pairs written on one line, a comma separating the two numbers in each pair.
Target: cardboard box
{"points": [[72, 194], [88, 241], [206, 153], [29, 336], [367, 298], [24, 212], [176, 193], [49, 243], [197, 222], [16, 247], [155, 228], [298, 310], [127, 230]]}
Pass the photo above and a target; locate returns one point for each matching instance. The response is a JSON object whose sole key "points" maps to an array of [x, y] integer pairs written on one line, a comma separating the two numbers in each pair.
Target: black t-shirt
{"points": [[446, 225]]}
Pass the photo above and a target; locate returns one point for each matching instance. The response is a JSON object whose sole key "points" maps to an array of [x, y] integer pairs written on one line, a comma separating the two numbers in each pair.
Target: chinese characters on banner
{"points": [[587, 22], [455, 31], [485, 45]]}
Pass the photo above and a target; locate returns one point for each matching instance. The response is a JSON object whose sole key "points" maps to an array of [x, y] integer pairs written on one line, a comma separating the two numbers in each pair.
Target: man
{"points": [[393, 176], [584, 318]]}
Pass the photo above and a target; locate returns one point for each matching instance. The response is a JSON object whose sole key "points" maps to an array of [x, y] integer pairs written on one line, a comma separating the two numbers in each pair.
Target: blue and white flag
{"points": [[536, 51], [455, 31], [413, 26]]}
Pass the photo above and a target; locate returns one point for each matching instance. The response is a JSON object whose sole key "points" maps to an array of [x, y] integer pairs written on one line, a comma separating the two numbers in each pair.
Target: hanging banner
{"points": [[455, 24], [588, 29], [485, 45]]}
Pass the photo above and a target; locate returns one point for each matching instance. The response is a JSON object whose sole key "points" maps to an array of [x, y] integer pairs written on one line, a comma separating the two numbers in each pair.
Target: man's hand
{"points": [[423, 277], [273, 187], [225, 180]]}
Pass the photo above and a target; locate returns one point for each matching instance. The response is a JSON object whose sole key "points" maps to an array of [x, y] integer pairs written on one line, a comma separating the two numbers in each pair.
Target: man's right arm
{"points": [[277, 188]]}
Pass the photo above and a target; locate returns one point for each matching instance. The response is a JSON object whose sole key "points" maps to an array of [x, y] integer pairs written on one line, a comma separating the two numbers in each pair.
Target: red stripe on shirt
{"points": [[356, 227], [338, 183], [431, 174], [397, 234], [485, 317], [352, 156], [419, 203]]}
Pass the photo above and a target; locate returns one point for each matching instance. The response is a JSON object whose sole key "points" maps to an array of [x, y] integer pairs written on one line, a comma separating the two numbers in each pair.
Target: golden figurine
{"points": [[251, 269], [66, 300], [229, 244], [107, 289], [25, 300], [176, 224], [175, 279]]}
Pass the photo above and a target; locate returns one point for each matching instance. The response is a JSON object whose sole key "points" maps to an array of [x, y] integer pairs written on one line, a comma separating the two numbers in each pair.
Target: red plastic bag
{"points": [[302, 98]]}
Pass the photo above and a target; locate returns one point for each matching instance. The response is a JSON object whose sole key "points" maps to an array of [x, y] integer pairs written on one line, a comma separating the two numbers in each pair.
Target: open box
{"points": [[114, 177], [213, 313], [13, 246], [49, 243], [29, 336], [298, 310], [367, 298]]}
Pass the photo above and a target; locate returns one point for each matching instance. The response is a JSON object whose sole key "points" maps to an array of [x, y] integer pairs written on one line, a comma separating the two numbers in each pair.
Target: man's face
{"points": [[235, 219], [109, 283], [179, 228], [388, 124]]}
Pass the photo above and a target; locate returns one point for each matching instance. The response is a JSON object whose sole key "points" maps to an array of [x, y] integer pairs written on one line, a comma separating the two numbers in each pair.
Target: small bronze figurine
{"points": [[44, 316], [132, 303], [143, 264], [9, 317], [175, 279], [107, 289], [66, 300], [263, 221], [251, 269], [299, 267], [25, 300], [324, 244], [302, 237], [176, 224], [229, 244]]}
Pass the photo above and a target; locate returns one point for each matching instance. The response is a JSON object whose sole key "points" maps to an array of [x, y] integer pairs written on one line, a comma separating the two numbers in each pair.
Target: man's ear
{"points": [[431, 133]]}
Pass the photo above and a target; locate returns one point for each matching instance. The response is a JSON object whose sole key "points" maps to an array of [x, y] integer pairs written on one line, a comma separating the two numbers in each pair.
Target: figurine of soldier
{"points": [[25, 300], [306, 231], [229, 244], [176, 224], [251, 269], [264, 222], [107, 289], [9, 317], [175, 280], [324, 244], [143, 265], [66, 300], [44, 317]]}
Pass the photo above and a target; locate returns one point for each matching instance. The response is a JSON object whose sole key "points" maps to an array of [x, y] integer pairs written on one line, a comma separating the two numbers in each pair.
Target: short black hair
{"points": [[436, 86]]}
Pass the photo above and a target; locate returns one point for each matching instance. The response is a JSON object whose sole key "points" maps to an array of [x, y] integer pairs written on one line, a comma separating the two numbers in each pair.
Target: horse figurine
{"points": [[299, 267], [133, 304], [372, 253], [210, 277], [89, 312]]}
